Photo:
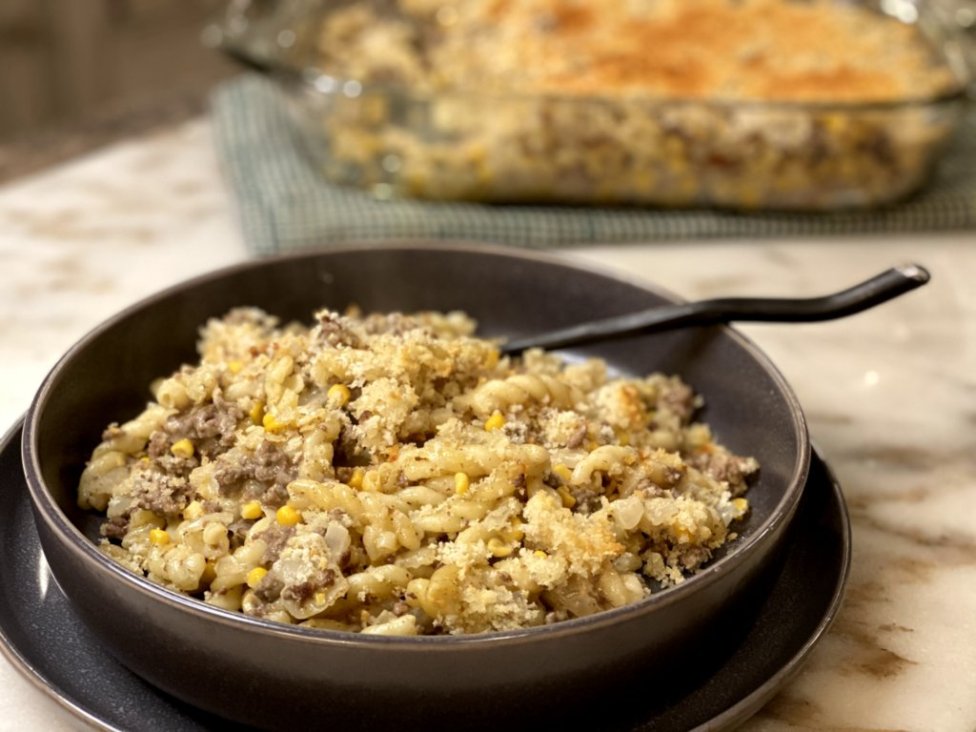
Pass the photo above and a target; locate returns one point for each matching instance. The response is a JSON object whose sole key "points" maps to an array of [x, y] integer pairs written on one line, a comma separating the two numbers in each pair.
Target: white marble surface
{"points": [[890, 396]]}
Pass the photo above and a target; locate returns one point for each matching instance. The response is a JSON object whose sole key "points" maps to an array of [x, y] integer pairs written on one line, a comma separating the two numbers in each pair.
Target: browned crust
{"points": [[740, 49]]}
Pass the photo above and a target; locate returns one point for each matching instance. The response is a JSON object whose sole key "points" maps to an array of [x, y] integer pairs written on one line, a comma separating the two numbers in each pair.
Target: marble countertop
{"points": [[890, 396]]}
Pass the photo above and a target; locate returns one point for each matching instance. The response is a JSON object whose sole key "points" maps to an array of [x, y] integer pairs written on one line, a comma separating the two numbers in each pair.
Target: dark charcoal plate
{"points": [[41, 635]]}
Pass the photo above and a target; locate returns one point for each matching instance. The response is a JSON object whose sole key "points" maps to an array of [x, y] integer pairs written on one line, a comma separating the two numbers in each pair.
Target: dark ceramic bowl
{"points": [[273, 675]]}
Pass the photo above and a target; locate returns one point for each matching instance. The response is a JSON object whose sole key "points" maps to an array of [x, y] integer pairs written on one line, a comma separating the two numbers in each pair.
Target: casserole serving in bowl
{"points": [[762, 104], [273, 675]]}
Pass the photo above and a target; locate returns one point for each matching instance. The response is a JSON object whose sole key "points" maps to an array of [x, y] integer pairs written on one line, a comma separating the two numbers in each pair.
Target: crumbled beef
{"points": [[158, 444], [691, 557], [161, 493], [680, 399], [269, 466], [335, 332], [275, 495], [115, 528], [275, 537], [229, 479], [210, 427], [303, 591], [269, 588], [725, 467], [175, 465]]}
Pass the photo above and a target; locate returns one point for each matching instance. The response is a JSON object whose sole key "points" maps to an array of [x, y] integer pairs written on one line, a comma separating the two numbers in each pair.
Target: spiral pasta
{"points": [[394, 475]]}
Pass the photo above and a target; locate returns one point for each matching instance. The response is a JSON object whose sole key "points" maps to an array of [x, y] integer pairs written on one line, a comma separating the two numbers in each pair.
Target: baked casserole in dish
{"points": [[743, 104]]}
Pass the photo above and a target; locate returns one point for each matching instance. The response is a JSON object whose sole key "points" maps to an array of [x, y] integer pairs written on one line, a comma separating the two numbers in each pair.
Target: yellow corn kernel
{"points": [[356, 479], [514, 532], [562, 472], [512, 535], [539, 554], [287, 516], [461, 483], [741, 505], [193, 510], [255, 576], [159, 537], [271, 424], [495, 422], [319, 598], [256, 413], [182, 448], [234, 367], [499, 548], [252, 510], [567, 498], [338, 394]]}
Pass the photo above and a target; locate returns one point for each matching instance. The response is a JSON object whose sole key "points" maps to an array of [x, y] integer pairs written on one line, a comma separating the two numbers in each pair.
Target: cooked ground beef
{"points": [[162, 493], [115, 528], [210, 427], [680, 399], [276, 536], [269, 588], [303, 591], [724, 466], [334, 331], [272, 470], [159, 444]]}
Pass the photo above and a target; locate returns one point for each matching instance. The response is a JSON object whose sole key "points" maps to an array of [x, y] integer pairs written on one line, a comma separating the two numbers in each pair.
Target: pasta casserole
{"points": [[392, 474], [746, 104]]}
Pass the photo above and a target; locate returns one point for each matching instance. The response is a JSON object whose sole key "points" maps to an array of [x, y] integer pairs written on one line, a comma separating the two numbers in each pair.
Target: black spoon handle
{"points": [[880, 288]]}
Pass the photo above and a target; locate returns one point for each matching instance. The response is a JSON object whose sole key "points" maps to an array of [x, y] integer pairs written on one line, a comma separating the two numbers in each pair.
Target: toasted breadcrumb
{"points": [[343, 476]]}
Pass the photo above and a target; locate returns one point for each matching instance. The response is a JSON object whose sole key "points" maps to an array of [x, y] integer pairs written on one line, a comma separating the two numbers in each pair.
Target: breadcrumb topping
{"points": [[394, 474]]}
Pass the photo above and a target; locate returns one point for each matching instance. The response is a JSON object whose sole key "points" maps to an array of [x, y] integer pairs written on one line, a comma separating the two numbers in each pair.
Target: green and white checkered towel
{"points": [[286, 205]]}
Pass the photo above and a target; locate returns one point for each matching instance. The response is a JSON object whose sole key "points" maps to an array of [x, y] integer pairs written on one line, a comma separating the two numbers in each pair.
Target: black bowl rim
{"points": [[70, 536]]}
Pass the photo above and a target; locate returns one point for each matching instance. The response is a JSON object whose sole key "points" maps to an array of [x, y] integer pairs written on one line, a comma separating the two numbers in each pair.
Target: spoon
{"points": [[874, 291]]}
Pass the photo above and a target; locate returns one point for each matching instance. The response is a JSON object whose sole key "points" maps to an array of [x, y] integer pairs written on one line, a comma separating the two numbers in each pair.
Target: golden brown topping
{"points": [[735, 49]]}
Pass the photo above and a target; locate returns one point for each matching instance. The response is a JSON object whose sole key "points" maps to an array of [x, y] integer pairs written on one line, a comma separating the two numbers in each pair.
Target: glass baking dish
{"points": [[401, 140]]}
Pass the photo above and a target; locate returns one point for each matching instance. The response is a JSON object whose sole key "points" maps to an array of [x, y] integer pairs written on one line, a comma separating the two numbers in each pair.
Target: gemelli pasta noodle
{"points": [[392, 474]]}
